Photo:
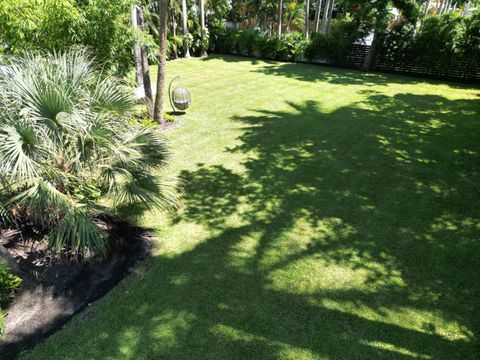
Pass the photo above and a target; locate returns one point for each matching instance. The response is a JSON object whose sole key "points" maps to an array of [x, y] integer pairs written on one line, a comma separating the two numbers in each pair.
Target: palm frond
{"points": [[78, 234], [17, 149]]}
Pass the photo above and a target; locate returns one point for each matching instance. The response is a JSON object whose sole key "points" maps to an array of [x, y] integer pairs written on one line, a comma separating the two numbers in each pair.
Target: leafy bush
{"points": [[254, 43], [439, 43], [436, 39], [335, 45], [67, 151], [102, 25], [9, 284]]}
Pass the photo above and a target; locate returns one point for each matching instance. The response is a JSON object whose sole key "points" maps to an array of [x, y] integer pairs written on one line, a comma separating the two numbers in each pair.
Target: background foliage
{"points": [[9, 283], [443, 39], [101, 25]]}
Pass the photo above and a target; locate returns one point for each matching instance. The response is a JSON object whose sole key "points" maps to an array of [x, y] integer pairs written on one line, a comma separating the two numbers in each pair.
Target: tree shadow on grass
{"points": [[312, 72], [390, 192]]}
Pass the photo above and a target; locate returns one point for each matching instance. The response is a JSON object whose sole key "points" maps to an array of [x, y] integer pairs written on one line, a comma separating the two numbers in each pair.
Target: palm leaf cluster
{"points": [[67, 151]]}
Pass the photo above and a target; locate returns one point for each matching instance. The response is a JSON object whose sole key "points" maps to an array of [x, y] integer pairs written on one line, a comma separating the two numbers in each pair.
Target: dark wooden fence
{"points": [[453, 69]]}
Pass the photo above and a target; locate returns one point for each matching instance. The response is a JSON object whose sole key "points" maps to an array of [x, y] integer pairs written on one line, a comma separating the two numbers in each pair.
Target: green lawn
{"points": [[328, 214]]}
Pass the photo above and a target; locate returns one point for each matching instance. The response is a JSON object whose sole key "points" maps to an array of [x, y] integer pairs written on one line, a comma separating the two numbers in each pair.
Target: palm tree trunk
{"points": [[307, 18], [203, 51], [449, 4], [318, 10], [185, 29], [174, 32], [371, 53], [440, 7], [137, 51], [325, 16], [145, 66], [427, 7], [329, 17], [162, 61], [280, 15], [147, 84]]}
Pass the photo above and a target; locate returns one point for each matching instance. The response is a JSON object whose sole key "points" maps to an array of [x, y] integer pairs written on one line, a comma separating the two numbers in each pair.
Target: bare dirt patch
{"points": [[54, 289]]}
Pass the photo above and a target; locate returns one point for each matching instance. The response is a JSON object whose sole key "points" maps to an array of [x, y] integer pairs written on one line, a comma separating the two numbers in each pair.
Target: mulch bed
{"points": [[54, 289]]}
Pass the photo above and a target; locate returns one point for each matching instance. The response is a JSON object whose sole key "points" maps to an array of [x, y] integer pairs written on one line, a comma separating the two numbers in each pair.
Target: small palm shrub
{"points": [[9, 284], [68, 153]]}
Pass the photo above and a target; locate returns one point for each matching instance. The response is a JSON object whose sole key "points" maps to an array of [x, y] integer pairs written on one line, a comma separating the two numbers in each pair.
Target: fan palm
{"points": [[67, 151]]}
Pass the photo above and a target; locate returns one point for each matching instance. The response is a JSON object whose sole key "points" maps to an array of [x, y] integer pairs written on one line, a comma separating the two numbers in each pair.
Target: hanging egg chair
{"points": [[180, 98]]}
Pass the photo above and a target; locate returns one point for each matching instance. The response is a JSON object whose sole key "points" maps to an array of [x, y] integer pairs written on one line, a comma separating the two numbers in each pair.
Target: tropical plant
{"points": [[9, 284], [102, 25], [68, 154]]}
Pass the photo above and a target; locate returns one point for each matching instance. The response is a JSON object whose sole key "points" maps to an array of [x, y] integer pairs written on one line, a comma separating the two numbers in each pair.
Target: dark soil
{"points": [[54, 289]]}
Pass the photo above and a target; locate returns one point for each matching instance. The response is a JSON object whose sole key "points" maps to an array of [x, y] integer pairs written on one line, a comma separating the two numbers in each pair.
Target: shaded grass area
{"points": [[328, 214]]}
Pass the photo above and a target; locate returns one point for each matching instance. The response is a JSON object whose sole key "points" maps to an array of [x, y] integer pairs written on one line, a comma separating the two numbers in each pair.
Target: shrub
{"points": [[438, 44], [245, 41], [102, 25], [9, 284], [334, 45], [68, 153], [436, 39]]}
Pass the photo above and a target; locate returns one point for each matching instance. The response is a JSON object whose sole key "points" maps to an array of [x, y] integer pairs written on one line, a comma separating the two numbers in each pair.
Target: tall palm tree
{"points": [[306, 28], [280, 15], [67, 151], [203, 51], [186, 45], [174, 29], [162, 61], [137, 51], [318, 10], [147, 83], [440, 7], [427, 7], [327, 13]]}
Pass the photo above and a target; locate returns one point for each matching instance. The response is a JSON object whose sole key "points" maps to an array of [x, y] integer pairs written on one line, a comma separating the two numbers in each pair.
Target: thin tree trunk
{"points": [[371, 53], [427, 7], [307, 18], [186, 45], [162, 61], [203, 51], [318, 10], [147, 84], [137, 51], [329, 17], [440, 7], [326, 10], [174, 30], [280, 15], [449, 4]]}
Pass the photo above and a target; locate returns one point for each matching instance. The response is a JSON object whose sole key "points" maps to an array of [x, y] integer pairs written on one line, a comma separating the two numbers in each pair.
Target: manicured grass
{"points": [[328, 214]]}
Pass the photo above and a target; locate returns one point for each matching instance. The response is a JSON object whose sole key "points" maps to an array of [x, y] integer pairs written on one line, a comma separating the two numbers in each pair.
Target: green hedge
{"points": [[445, 40], [333, 46], [250, 42]]}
